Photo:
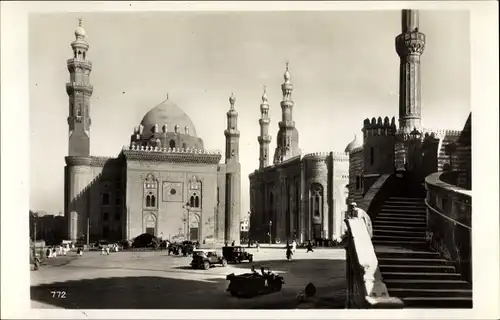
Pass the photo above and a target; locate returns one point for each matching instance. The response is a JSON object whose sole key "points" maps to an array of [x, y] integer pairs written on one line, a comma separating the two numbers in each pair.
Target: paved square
{"points": [[154, 280]]}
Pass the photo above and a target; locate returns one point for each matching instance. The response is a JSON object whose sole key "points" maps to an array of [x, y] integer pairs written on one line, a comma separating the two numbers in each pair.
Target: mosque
{"points": [[164, 182], [296, 197]]}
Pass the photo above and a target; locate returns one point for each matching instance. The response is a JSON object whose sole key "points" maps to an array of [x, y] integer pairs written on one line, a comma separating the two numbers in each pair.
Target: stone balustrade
{"points": [[365, 288], [170, 150], [449, 222]]}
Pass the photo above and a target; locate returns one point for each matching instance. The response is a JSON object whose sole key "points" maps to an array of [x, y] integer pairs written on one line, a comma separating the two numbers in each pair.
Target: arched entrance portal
{"points": [[150, 224], [194, 226]]}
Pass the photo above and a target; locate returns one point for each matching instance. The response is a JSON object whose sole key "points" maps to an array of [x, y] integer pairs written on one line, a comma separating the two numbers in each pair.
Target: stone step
{"points": [[399, 218], [405, 253], [438, 302], [426, 284], [403, 209], [400, 227], [420, 244], [395, 204], [414, 261], [415, 268], [402, 215], [405, 199], [409, 223], [431, 293], [422, 276], [390, 232], [397, 238]]}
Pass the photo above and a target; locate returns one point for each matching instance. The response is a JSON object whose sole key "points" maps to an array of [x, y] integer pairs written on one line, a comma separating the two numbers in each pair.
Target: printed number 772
{"points": [[58, 294]]}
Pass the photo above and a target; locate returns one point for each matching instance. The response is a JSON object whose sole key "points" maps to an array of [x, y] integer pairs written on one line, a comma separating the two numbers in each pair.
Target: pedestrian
{"points": [[289, 253], [258, 245], [309, 246], [232, 244], [294, 246]]}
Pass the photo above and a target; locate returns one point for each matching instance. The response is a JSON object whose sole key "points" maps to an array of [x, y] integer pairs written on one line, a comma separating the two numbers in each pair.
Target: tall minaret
{"points": [[233, 175], [409, 46], [79, 91], [286, 125], [264, 138], [78, 173]]}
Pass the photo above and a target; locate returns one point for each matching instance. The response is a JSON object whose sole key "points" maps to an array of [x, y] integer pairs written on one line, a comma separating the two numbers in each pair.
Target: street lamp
{"points": [[270, 225]]}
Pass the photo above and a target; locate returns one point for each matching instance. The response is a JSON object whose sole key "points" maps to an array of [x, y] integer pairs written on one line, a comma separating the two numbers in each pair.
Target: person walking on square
{"points": [[309, 247], [294, 246], [289, 253]]}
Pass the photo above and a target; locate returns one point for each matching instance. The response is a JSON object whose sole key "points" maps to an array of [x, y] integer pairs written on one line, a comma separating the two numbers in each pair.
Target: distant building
{"points": [[245, 226], [49, 227], [164, 182], [297, 197]]}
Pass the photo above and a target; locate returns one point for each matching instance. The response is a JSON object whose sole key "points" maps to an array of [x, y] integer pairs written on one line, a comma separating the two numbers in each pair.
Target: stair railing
{"points": [[365, 288], [449, 229]]}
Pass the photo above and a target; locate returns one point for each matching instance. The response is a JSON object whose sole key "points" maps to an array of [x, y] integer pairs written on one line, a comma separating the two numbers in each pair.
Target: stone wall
{"points": [[449, 210], [171, 216]]}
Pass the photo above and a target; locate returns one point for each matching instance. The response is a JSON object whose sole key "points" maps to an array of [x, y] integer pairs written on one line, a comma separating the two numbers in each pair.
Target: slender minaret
{"points": [[264, 138], [410, 45], [286, 125], [233, 175], [78, 173]]}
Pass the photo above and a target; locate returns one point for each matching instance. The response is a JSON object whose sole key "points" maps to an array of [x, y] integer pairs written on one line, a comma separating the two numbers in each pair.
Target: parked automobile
{"points": [[236, 254], [204, 259]]}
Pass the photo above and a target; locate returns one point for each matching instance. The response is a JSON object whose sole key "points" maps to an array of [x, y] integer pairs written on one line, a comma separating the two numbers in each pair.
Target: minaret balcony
{"points": [[287, 124], [232, 133], [287, 104], [78, 63], [264, 139], [264, 121], [72, 87], [410, 43]]}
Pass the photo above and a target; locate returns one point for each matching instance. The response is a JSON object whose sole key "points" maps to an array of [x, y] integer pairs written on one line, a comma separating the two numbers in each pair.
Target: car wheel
{"points": [[206, 265], [224, 262]]}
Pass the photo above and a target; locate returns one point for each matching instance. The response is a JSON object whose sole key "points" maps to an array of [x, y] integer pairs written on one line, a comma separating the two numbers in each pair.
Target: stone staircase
{"points": [[410, 269]]}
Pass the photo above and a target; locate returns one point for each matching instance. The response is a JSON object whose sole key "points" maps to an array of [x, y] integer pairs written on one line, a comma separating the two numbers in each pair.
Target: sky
{"points": [[344, 69]]}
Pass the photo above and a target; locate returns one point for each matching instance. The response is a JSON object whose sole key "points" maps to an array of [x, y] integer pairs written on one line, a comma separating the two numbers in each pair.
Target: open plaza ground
{"points": [[155, 280]]}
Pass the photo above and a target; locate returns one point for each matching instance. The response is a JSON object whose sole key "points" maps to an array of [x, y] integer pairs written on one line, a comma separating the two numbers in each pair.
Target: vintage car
{"points": [[204, 259], [236, 254], [254, 283]]}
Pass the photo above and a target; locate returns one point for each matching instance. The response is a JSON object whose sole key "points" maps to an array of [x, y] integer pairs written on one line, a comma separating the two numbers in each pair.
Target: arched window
{"points": [[153, 201], [358, 184], [84, 55], [191, 201], [316, 200], [74, 53], [372, 154], [197, 202], [148, 201], [171, 144]]}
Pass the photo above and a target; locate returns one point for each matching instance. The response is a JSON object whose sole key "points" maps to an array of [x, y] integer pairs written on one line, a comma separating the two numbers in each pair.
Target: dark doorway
{"points": [[193, 234], [150, 231]]}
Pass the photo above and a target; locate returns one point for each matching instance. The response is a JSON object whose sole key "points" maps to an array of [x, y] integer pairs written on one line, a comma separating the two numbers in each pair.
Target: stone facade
{"points": [[301, 198], [164, 183]]}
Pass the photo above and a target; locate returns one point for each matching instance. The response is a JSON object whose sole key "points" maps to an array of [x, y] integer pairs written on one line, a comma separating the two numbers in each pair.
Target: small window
{"points": [[171, 144], [117, 216], [118, 201], [173, 192], [105, 199], [148, 201], [105, 216], [191, 201], [358, 183], [197, 202], [153, 201]]}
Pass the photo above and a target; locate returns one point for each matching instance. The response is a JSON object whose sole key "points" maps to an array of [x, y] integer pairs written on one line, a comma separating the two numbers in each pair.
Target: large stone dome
{"points": [[170, 114]]}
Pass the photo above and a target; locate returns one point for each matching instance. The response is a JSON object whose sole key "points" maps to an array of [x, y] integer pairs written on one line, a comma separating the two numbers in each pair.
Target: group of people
{"points": [[185, 248], [61, 250], [107, 249]]}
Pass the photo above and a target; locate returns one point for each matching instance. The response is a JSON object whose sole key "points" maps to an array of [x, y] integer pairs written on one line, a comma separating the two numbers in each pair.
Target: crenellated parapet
{"points": [[379, 127], [316, 155], [426, 133], [175, 155]]}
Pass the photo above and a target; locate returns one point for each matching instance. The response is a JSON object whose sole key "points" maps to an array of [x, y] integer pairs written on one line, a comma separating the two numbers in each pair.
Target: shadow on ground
{"points": [[152, 292]]}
